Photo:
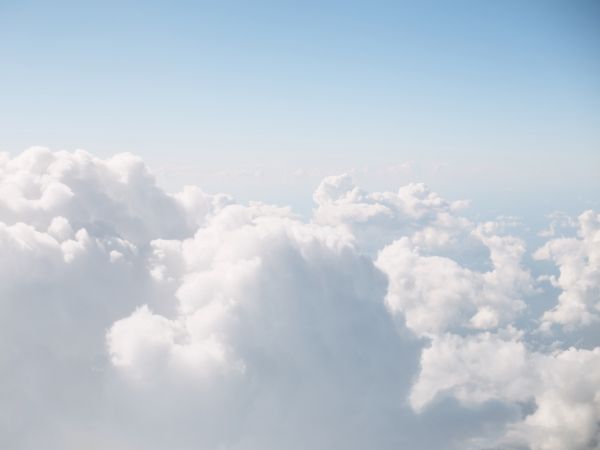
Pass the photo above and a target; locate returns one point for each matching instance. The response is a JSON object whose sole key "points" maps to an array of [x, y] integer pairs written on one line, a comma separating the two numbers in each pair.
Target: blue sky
{"points": [[493, 101]]}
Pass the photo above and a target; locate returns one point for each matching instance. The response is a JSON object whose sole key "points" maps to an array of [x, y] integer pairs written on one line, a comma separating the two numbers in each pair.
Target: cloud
{"points": [[473, 369], [117, 196], [377, 218], [558, 221], [281, 312], [436, 294], [562, 387], [134, 318], [567, 396], [578, 259]]}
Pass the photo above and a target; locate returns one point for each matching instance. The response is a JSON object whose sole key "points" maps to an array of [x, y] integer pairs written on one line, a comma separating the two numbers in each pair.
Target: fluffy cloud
{"points": [[578, 259], [473, 369], [563, 386], [133, 318], [379, 217], [112, 197], [567, 396], [435, 294], [281, 312]]}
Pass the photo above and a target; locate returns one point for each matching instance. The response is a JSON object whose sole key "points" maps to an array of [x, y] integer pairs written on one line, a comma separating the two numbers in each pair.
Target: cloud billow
{"points": [[134, 318]]}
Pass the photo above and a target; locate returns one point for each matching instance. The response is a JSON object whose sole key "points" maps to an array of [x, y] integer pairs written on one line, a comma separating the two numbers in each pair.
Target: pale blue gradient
{"points": [[495, 101]]}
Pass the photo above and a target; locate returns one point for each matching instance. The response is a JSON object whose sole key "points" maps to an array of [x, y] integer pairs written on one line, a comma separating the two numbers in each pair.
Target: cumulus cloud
{"points": [[563, 387], [567, 398], [473, 369], [134, 318], [273, 309], [435, 294], [379, 217], [578, 259], [113, 197]]}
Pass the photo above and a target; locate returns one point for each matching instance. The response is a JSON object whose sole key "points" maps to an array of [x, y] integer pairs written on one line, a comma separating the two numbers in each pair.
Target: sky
{"points": [[255, 97], [300, 225]]}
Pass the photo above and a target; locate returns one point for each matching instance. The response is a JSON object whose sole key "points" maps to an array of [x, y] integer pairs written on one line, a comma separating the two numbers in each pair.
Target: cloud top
{"points": [[135, 318]]}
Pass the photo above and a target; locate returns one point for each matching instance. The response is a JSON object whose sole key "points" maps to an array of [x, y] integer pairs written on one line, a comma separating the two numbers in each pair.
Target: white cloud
{"points": [[286, 314], [567, 396], [436, 294], [578, 260], [563, 386], [378, 218], [474, 369], [116, 196], [132, 318]]}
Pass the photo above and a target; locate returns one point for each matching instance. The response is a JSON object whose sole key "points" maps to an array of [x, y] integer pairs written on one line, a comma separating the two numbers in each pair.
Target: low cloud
{"points": [[578, 259], [134, 318]]}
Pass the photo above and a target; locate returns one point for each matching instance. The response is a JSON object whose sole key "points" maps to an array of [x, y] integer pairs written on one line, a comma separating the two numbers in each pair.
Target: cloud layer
{"points": [[134, 318]]}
